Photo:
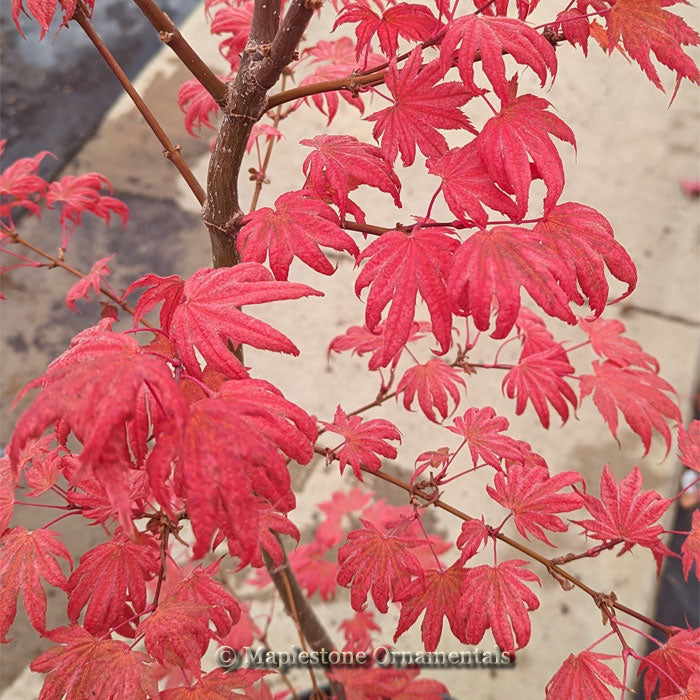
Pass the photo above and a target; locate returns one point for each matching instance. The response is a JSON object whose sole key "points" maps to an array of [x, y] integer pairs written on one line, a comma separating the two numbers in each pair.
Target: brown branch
{"points": [[171, 36], [265, 56], [171, 152]]}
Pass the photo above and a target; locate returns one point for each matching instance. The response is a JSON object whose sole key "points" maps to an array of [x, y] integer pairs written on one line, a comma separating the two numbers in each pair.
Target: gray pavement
{"points": [[632, 154]]}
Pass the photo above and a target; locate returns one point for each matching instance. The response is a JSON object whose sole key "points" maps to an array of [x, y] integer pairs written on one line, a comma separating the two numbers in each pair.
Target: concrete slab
{"points": [[632, 154]]}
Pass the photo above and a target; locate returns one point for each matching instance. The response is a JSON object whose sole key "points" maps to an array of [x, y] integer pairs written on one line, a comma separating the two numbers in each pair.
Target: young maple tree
{"points": [[167, 438]]}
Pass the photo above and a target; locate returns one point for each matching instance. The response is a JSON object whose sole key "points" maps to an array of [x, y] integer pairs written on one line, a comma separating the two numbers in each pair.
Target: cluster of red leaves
{"points": [[179, 429]]}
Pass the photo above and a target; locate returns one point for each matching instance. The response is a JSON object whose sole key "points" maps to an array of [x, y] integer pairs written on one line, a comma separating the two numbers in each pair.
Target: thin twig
{"points": [[171, 152]]}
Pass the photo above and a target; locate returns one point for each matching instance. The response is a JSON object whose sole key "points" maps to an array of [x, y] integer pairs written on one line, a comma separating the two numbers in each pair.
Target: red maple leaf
{"points": [[8, 484], [493, 36], [26, 558], [370, 683], [672, 665], [92, 280], [84, 666], [364, 440], [475, 533], [96, 412], [107, 577], [399, 267], [635, 392], [532, 495], [437, 593], [298, 224], [218, 477], [198, 106], [313, 571], [409, 20], [492, 266], [219, 684], [361, 340], [371, 560], [482, 428], [357, 631], [43, 11], [203, 313], [340, 164], [79, 194], [495, 597], [432, 382], [583, 241], [690, 549], [467, 184], [518, 134], [235, 20], [330, 531], [177, 633], [644, 26], [20, 185], [583, 677], [627, 513], [540, 378], [608, 342], [536, 338], [689, 445], [420, 108], [573, 24]]}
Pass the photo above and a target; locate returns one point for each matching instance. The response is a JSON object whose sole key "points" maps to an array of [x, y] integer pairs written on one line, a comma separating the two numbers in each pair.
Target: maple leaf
{"points": [[437, 593], [357, 631], [265, 409], [482, 428], [79, 194], [371, 560], [495, 597], [360, 683], [608, 342], [672, 665], [420, 108], [626, 513], [475, 533], [43, 12], [340, 164], [97, 411], [93, 279], [177, 633], [364, 440], [361, 340], [235, 20], [532, 496], [583, 677], [107, 577], [330, 531], [26, 558], [690, 549], [536, 337], [493, 36], [203, 313], [198, 106], [8, 484], [432, 381], [399, 267], [218, 684], [495, 264], [573, 24], [218, 477], [689, 445], [583, 241], [313, 572], [84, 667], [200, 587], [20, 185], [409, 20], [539, 378], [298, 224], [637, 393], [644, 26], [520, 132], [467, 184]]}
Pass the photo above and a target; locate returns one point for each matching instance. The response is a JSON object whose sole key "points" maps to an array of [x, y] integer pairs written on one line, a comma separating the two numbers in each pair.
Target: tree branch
{"points": [[170, 35], [171, 152]]}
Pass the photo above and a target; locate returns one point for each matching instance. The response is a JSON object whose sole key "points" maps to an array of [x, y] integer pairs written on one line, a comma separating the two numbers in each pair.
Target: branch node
{"points": [[166, 37]]}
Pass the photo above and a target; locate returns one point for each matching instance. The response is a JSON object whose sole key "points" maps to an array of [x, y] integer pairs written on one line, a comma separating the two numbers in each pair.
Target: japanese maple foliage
{"points": [[166, 437]]}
